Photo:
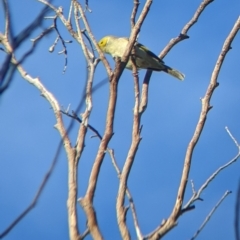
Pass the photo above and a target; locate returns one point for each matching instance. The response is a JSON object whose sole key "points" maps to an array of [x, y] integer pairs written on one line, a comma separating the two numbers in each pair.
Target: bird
{"points": [[144, 58]]}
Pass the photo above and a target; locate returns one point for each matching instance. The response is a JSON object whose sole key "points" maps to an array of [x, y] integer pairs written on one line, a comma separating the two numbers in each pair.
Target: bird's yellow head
{"points": [[103, 43]]}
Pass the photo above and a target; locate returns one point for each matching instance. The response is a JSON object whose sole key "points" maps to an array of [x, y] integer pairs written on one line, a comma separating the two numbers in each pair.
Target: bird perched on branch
{"points": [[144, 58]]}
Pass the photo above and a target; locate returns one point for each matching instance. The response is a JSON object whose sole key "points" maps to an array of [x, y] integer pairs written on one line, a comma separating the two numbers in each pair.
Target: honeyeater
{"points": [[144, 58]]}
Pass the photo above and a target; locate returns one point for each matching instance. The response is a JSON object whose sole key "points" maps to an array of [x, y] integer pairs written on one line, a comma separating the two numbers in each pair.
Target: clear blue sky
{"points": [[28, 139]]}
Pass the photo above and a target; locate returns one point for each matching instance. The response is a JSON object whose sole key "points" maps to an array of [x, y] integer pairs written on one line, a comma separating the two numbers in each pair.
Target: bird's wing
{"points": [[149, 53]]}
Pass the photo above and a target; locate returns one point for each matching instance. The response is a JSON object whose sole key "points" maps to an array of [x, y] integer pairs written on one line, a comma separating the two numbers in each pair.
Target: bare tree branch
{"points": [[8, 27], [196, 194], [121, 210], [134, 12], [210, 214], [183, 35], [64, 51], [172, 220], [203, 115]]}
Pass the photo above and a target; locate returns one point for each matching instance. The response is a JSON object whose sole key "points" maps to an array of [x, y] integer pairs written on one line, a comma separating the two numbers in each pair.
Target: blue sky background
{"points": [[29, 140]]}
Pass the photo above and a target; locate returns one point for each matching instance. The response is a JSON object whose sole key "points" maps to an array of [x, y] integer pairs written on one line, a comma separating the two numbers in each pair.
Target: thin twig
{"points": [[70, 11], [64, 51], [59, 13], [101, 55], [80, 33], [210, 214], [183, 35], [74, 116], [193, 188], [90, 42], [232, 137], [7, 19], [134, 12], [59, 37], [85, 233], [132, 205], [46, 31], [87, 6]]}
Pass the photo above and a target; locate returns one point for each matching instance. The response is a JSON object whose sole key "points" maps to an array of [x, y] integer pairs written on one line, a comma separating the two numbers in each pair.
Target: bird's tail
{"points": [[175, 73]]}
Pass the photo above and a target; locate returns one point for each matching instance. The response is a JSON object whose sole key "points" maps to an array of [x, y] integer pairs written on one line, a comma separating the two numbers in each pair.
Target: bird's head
{"points": [[103, 43]]}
